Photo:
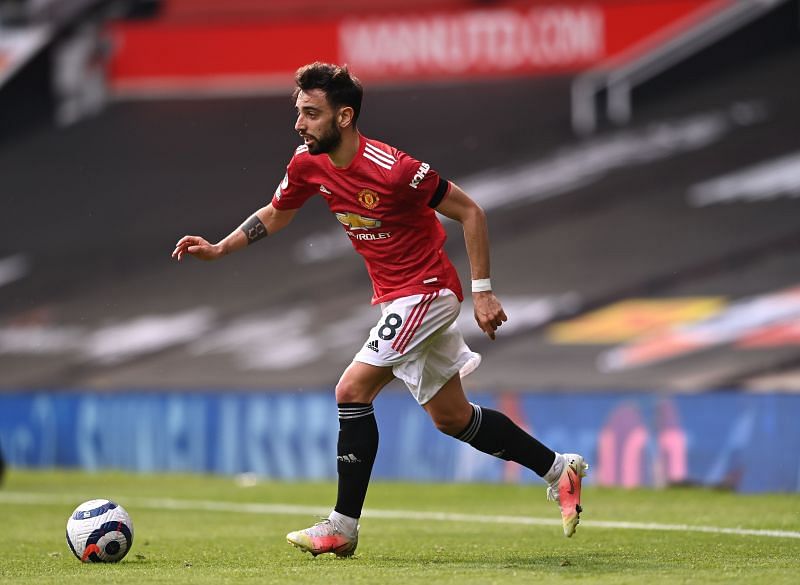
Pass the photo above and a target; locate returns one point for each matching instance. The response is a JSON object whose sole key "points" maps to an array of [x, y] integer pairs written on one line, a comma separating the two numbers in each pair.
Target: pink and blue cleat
{"points": [[324, 537], [566, 490]]}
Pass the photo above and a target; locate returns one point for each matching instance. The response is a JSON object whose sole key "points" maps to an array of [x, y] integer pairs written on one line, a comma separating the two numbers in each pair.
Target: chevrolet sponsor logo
{"points": [[358, 222]]}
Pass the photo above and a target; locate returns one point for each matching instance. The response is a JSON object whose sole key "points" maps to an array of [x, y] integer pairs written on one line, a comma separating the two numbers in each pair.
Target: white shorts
{"points": [[417, 337]]}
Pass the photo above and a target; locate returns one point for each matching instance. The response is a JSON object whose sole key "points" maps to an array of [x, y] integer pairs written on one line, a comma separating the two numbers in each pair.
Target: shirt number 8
{"points": [[390, 326]]}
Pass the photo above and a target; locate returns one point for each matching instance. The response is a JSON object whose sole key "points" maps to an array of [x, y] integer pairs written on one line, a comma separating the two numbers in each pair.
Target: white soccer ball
{"points": [[100, 531]]}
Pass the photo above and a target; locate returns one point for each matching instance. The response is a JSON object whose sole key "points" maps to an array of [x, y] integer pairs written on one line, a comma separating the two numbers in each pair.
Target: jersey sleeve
{"points": [[293, 191], [419, 182]]}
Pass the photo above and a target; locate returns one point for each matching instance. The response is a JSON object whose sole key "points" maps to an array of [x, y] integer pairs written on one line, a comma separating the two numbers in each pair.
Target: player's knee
{"points": [[450, 423], [348, 392]]}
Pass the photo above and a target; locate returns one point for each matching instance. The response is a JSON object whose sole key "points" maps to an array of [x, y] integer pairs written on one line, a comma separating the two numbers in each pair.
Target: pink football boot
{"points": [[324, 537], [566, 490]]}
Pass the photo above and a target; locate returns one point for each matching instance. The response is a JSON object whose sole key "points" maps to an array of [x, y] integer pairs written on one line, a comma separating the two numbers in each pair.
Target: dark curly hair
{"points": [[340, 87]]}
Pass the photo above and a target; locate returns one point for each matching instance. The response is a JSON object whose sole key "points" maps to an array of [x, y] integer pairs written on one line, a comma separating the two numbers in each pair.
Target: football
{"points": [[100, 531]]}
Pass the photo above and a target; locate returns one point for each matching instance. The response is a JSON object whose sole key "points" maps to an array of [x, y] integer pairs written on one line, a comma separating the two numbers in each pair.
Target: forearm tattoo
{"points": [[254, 229]]}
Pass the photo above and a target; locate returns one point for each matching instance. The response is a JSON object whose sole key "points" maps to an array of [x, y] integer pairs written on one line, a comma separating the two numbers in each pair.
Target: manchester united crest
{"points": [[368, 198]]}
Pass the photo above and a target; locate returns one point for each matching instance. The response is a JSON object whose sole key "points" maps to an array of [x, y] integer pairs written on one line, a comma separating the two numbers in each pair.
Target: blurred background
{"points": [[639, 162]]}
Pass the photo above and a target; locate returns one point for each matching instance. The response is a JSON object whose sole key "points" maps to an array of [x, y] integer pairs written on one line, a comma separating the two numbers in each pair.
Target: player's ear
{"points": [[345, 117]]}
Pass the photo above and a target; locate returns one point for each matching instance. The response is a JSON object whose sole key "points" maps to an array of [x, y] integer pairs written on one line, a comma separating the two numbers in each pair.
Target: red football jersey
{"points": [[384, 200]]}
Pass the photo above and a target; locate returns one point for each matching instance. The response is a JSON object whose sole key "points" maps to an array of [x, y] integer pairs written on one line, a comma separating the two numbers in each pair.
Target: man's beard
{"points": [[327, 142]]}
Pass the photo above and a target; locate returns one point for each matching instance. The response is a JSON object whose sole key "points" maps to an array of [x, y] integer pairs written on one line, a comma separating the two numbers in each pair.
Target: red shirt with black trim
{"points": [[384, 200]]}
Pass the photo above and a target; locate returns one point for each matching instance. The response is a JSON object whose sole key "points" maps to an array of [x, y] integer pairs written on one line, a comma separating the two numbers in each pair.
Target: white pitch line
{"points": [[292, 510]]}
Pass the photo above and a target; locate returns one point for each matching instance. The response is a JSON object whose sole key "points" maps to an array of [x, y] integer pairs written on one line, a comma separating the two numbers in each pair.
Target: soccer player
{"points": [[386, 202]]}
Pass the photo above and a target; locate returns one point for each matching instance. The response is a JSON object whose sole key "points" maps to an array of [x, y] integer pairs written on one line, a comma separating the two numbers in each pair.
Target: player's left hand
{"points": [[488, 312]]}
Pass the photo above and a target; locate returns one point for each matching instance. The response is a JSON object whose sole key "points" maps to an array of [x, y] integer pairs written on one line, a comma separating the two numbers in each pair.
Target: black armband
{"points": [[441, 191], [254, 229]]}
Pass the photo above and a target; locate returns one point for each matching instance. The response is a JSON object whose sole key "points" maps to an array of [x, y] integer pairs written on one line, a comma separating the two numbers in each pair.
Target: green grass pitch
{"points": [[202, 529]]}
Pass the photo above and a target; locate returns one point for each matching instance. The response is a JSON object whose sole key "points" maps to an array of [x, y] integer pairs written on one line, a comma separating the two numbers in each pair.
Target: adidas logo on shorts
{"points": [[373, 345]]}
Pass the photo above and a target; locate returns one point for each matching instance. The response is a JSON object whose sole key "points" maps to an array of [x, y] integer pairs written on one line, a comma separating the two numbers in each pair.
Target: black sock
{"points": [[356, 450], [494, 433]]}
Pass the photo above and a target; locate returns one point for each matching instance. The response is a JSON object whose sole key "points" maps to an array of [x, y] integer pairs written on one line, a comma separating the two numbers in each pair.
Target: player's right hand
{"points": [[197, 247]]}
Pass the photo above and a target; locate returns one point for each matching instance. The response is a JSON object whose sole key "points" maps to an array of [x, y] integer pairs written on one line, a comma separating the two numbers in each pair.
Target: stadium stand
{"points": [[694, 200]]}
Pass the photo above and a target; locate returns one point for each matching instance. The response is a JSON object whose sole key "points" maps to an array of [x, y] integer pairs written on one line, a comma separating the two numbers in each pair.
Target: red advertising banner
{"points": [[172, 57], [505, 40]]}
